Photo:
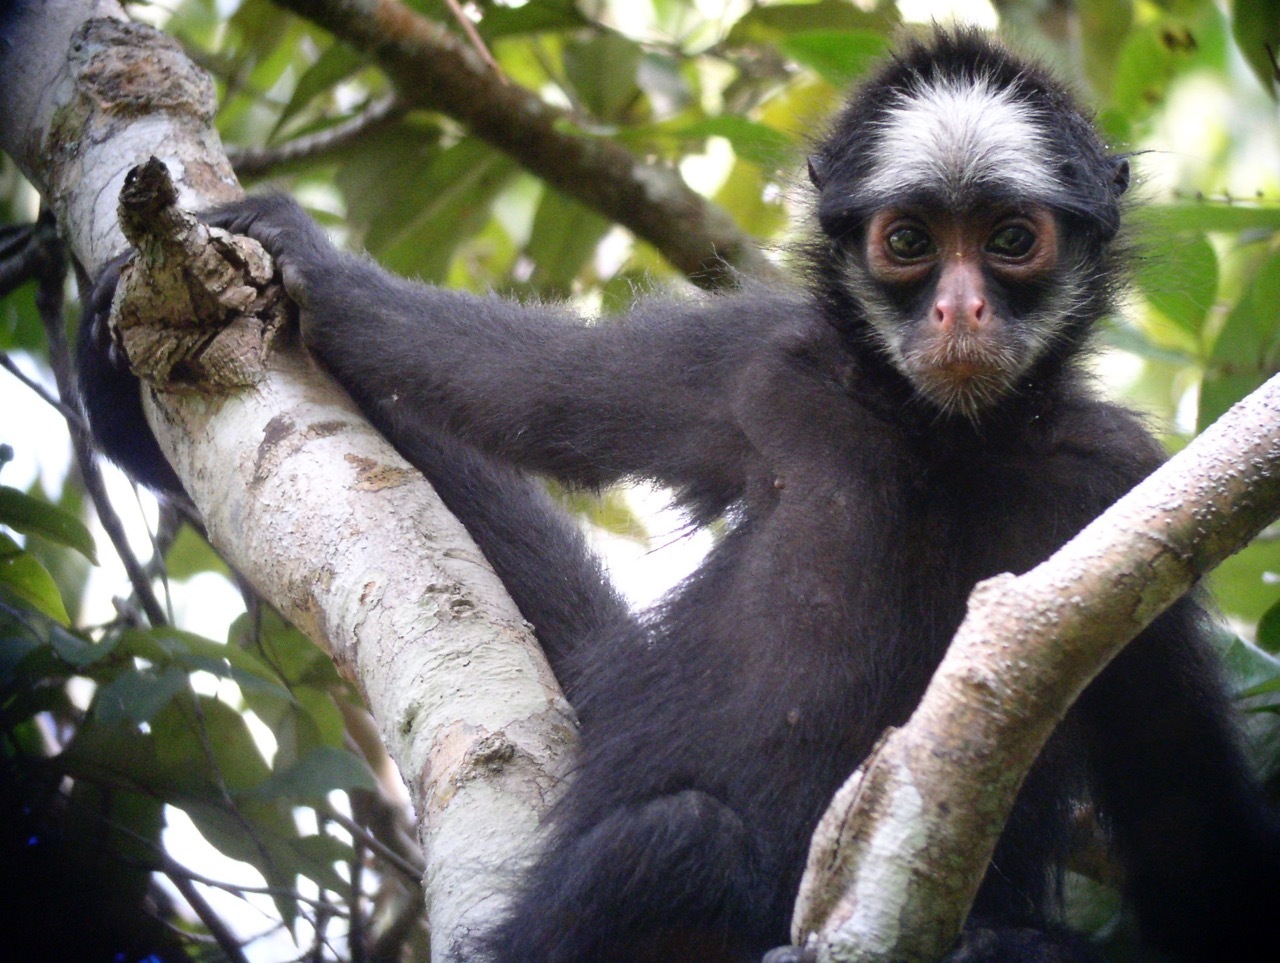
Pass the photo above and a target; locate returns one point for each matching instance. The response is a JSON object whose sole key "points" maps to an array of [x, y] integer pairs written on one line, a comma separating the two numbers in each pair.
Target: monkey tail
{"points": [[536, 549]]}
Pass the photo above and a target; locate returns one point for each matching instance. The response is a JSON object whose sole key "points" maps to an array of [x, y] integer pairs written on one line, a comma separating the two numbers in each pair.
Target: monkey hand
{"points": [[301, 250]]}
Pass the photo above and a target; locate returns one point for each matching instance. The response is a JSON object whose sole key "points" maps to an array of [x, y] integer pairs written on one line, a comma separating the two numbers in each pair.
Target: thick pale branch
{"points": [[898, 858], [302, 497]]}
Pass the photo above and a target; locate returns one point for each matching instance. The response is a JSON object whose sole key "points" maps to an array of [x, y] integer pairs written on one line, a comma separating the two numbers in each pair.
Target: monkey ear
{"points": [[817, 171], [1120, 175]]}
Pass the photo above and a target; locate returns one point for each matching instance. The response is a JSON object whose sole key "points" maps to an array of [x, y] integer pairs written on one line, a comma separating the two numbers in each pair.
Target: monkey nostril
{"points": [[978, 313]]}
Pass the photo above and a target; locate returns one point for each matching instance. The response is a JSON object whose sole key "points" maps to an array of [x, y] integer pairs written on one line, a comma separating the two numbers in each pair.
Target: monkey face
{"points": [[968, 210], [963, 303]]}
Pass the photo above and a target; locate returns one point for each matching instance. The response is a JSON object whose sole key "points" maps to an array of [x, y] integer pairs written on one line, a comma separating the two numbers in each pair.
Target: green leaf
{"points": [[444, 203], [1255, 24], [332, 67], [758, 143], [1269, 630], [320, 771], [1242, 586], [1254, 671], [20, 324], [603, 69], [1155, 55], [80, 653], [261, 834], [540, 17], [773, 23], [27, 579], [1104, 27], [1178, 274], [318, 855], [1246, 351], [31, 516], [746, 195], [184, 741], [608, 510], [194, 652], [1158, 220], [138, 696], [839, 56], [291, 656], [190, 555], [564, 236], [1250, 338]]}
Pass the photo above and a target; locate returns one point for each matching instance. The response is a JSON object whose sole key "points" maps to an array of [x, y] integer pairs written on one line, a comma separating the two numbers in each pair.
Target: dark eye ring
{"points": [[1012, 242], [907, 243]]}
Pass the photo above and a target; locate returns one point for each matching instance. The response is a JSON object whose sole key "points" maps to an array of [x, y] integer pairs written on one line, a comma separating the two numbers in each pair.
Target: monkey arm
{"points": [[650, 394]]}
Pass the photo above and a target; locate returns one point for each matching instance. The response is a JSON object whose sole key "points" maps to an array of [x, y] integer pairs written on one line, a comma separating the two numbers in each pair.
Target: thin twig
{"points": [[473, 35], [228, 942], [412, 873], [355, 906], [49, 297], [72, 416], [258, 161]]}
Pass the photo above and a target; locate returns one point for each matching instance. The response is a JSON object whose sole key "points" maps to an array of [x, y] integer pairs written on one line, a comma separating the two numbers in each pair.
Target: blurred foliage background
{"points": [[189, 779]]}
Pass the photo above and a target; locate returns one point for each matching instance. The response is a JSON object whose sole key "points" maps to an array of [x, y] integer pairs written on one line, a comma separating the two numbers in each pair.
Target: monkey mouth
{"points": [[965, 383], [965, 369]]}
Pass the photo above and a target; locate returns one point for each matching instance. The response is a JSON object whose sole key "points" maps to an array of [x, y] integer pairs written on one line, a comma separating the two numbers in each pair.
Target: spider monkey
{"points": [[908, 420]]}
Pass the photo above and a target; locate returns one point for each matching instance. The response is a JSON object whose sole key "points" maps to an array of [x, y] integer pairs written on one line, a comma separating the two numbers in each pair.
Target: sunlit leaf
{"points": [[190, 555], [759, 143], [1178, 273], [1104, 27], [27, 578], [603, 68], [772, 23], [564, 236], [840, 56], [1247, 350], [1205, 216], [1255, 25]]}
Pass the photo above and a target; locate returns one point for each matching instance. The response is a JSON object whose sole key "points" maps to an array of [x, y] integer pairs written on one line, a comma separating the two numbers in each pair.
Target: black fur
{"points": [[715, 729]]}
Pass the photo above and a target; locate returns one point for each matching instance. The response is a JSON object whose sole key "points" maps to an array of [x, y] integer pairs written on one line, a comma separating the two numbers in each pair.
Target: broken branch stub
{"points": [[196, 307]]}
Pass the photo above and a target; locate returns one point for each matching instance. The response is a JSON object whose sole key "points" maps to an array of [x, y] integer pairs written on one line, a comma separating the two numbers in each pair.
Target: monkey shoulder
{"points": [[1100, 448]]}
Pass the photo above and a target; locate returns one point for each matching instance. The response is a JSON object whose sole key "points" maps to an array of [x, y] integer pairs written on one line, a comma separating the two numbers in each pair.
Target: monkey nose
{"points": [[967, 311]]}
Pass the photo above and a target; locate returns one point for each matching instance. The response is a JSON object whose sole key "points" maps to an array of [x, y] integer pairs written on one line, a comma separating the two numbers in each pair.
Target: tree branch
{"points": [[937, 792], [434, 69], [258, 161]]}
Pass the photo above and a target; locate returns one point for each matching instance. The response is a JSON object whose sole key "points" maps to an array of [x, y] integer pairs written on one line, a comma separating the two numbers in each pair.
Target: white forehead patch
{"points": [[956, 136]]}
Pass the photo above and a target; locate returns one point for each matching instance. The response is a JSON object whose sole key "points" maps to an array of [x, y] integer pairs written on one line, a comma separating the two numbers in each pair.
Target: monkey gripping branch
{"points": [[786, 368]]}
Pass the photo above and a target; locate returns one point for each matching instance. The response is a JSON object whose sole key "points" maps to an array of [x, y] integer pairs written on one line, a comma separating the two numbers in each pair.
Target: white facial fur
{"points": [[959, 136]]}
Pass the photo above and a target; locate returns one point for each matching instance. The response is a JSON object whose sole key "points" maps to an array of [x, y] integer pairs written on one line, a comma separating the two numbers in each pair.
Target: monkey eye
{"points": [[910, 243], [1013, 241]]}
